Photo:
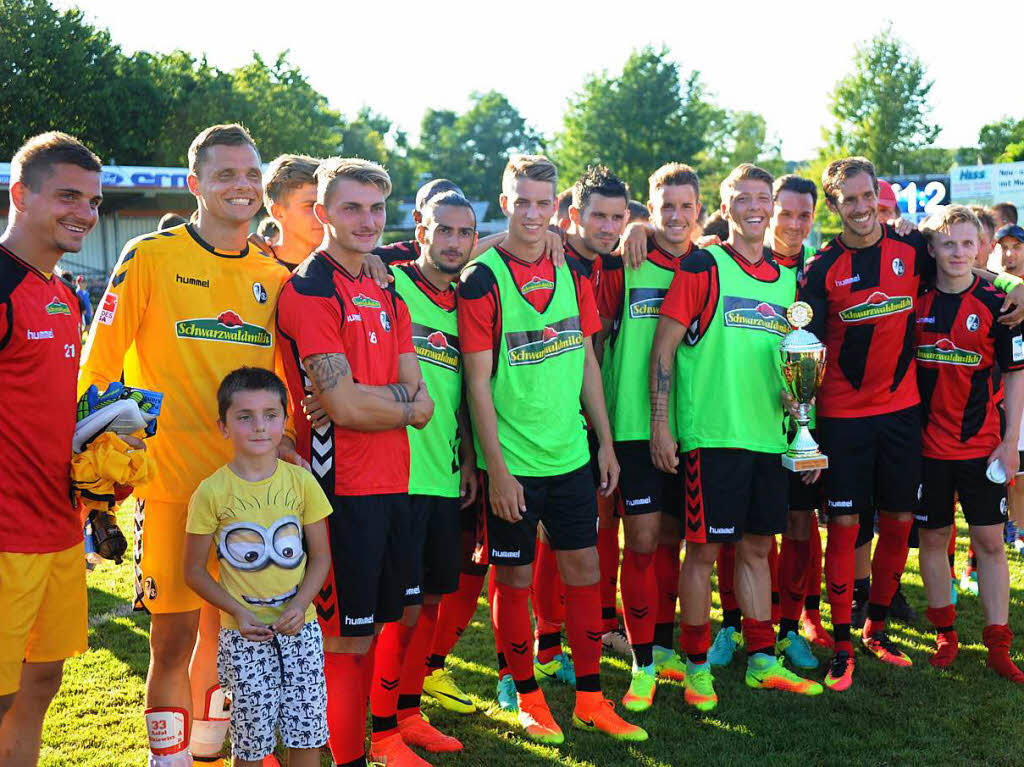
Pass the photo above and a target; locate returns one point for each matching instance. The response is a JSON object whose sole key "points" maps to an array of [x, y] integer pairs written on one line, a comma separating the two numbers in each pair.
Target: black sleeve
{"points": [[396, 252], [476, 281], [1009, 343]]}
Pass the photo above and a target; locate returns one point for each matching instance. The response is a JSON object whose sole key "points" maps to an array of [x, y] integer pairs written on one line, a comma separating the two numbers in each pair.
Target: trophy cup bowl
{"points": [[803, 367]]}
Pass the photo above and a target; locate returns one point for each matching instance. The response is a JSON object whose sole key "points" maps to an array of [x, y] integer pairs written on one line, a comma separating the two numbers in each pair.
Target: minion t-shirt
{"points": [[257, 529]]}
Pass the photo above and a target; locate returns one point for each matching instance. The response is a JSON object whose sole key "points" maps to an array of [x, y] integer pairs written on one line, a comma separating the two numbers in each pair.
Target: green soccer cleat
{"points": [[727, 641], [640, 695], [700, 687], [797, 650], [668, 664], [558, 669], [440, 686], [766, 672]]}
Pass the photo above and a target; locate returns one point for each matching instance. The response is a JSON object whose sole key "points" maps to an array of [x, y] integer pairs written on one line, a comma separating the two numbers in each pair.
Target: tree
{"points": [[58, 72], [881, 108], [1002, 141], [637, 120], [473, 148]]}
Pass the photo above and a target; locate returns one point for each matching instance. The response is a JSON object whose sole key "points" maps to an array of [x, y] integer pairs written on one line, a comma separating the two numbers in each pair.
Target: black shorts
{"points": [[437, 535], [873, 462], [730, 492], [595, 467], [645, 489], [983, 502], [370, 537], [565, 504]]}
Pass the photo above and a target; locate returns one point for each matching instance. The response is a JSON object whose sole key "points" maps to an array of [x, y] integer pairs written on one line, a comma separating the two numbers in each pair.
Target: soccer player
{"points": [[525, 329], [442, 464], [54, 203], [1005, 214], [987, 238], [629, 301], [1009, 251], [597, 215], [959, 345], [183, 308], [269, 231], [720, 325], [409, 250], [289, 194], [350, 342], [795, 199]]}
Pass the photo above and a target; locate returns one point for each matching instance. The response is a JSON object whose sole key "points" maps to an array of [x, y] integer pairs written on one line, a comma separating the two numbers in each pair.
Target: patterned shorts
{"points": [[277, 684]]}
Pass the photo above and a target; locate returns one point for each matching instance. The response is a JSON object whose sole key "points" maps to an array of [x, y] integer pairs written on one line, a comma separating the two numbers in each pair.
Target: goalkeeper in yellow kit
{"points": [[184, 307]]}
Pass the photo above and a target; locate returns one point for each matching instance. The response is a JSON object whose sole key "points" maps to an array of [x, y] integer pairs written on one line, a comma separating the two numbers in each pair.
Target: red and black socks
{"points": [[946, 642], [887, 565], [639, 595], [840, 566]]}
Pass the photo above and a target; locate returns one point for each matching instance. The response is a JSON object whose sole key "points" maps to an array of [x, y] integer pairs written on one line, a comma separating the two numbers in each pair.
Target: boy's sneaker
{"points": [[440, 686], [766, 672], [797, 650], [506, 692], [616, 641], [536, 720], [597, 714], [840, 672], [558, 669], [700, 687], [668, 664], [727, 640], [640, 695]]}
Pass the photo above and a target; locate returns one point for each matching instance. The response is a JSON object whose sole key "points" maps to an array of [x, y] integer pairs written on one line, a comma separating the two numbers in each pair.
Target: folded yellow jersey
{"points": [[106, 462]]}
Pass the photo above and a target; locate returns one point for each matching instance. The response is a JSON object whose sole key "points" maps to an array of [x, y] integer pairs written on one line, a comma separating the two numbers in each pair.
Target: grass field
{"points": [[966, 715]]}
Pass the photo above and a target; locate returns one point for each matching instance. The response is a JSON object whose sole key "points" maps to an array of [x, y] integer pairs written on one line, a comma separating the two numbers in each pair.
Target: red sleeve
{"points": [[313, 322], [609, 293], [403, 324], [476, 323], [687, 297], [590, 320]]}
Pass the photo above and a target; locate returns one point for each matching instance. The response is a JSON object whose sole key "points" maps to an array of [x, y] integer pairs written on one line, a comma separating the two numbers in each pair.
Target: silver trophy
{"points": [[803, 367]]}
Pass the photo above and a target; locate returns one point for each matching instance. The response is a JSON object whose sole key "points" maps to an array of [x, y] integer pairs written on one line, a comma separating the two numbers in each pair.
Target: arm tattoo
{"points": [[399, 392], [660, 390], [325, 370]]}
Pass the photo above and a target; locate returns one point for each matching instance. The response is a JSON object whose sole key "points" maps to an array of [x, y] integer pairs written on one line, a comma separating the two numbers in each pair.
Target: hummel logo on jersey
{"points": [[412, 591], [925, 320], [353, 318], [722, 530], [848, 281], [840, 504], [495, 554], [638, 501], [39, 335], [878, 304], [358, 621], [193, 281]]}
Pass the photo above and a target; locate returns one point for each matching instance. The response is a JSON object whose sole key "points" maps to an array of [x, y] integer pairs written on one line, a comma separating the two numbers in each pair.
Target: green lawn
{"points": [[966, 715]]}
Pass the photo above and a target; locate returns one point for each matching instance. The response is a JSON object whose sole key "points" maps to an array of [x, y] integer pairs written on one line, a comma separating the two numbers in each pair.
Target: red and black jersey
{"points": [[590, 269], [398, 252], [480, 310], [611, 291], [692, 298], [863, 302], [324, 309], [445, 299], [40, 340], [960, 346]]}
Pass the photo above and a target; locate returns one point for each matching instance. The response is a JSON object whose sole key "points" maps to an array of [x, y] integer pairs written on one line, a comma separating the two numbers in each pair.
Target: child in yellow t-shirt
{"points": [[266, 519]]}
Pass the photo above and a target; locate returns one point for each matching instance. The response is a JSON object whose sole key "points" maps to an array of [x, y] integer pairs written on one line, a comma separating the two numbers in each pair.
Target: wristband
{"points": [[1006, 282]]}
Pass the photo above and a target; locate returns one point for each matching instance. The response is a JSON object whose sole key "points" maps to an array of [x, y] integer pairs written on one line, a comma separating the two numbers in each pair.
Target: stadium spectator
{"points": [[1005, 213]]}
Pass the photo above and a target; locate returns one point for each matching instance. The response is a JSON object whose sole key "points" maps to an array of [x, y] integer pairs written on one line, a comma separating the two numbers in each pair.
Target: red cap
{"points": [[886, 195]]}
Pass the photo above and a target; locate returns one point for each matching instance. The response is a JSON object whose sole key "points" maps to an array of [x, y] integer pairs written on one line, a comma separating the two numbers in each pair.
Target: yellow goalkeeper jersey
{"points": [[178, 315]]}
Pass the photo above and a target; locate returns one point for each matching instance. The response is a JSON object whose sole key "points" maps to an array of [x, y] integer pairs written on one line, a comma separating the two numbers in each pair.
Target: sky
{"points": [[780, 59]]}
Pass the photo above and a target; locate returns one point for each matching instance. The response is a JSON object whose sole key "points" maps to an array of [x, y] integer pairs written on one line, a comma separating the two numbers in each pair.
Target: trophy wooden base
{"points": [[808, 463]]}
